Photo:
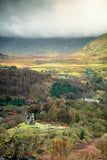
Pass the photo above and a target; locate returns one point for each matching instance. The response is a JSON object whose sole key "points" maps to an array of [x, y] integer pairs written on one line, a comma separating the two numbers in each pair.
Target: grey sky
{"points": [[53, 18]]}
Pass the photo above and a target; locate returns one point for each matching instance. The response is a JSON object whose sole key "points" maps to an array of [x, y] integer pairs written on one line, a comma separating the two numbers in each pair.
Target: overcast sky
{"points": [[53, 18]]}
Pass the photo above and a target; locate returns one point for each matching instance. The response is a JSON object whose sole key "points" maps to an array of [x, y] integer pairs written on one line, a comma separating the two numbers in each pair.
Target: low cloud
{"points": [[53, 18]]}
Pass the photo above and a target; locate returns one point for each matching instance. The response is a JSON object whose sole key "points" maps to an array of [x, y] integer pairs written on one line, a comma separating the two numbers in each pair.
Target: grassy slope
{"points": [[93, 52], [35, 126], [97, 46]]}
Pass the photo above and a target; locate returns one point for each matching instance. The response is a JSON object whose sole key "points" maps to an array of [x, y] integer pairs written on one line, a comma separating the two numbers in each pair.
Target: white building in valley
{"points": [[90, 100]]}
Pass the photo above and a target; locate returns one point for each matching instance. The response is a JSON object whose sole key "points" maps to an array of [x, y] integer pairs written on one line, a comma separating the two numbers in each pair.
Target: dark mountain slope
{"points": [[21, 46]]}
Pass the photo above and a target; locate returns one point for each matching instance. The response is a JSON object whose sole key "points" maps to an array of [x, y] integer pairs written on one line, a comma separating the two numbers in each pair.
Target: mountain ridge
{"points": [[20, 46]]}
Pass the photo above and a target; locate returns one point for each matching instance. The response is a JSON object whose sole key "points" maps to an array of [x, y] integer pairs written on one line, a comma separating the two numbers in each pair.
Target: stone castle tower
{"points": [[29, 118]]}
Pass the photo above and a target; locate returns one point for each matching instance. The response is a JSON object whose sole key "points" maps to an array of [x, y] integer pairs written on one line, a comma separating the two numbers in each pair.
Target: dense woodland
{"points": [[53, 101], [27, 83]]}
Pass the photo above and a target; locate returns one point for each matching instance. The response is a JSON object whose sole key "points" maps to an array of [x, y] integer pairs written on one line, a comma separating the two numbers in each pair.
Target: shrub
{"points": [[60, 150], [18, 111], [89, 153], [101, 144], [82, 134], [4, 125], [2, 129], [42, 115], [11, 121]]}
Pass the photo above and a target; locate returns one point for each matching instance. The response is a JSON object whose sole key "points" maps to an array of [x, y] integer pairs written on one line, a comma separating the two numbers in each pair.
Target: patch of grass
{"points": [[35, 126]]}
